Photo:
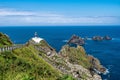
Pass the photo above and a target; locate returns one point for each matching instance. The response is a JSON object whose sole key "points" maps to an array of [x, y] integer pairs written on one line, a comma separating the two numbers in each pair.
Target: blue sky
{"points": [[59, 12]]}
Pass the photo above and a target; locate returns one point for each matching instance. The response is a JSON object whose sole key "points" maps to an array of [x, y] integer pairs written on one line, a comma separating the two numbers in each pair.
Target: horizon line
{"points": [[59, 25]]}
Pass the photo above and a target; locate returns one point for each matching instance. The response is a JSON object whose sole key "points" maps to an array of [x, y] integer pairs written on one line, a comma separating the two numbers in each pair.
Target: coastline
{"points": [[97, 49]]}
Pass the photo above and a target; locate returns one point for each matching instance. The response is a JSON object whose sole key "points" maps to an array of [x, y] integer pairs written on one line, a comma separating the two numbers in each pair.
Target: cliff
{"points": [[70, 60], [39, 61], [79, 63], [29, 62]]}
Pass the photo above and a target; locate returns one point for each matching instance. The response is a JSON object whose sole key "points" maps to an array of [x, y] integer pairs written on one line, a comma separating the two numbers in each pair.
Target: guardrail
{"points": [[10, 48]]}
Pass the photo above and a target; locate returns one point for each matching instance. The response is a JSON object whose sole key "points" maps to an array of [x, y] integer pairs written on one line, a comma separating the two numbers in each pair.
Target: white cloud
{"points": [[5, 12], [14, 17]]}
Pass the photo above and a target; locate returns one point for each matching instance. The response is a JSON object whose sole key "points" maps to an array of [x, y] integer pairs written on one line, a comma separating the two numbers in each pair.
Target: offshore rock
{"points": [[100, 38], [97, 38], [76, 40], [107, 38]]}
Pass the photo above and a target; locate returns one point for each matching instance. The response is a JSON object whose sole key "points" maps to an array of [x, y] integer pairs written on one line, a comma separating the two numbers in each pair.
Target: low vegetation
{"points": [[25, 64], [66, 77], [76, 55], [4, 40]]}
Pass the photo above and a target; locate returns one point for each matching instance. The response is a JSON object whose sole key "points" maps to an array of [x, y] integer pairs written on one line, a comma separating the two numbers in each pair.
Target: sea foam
{"points": [[65, 41]]}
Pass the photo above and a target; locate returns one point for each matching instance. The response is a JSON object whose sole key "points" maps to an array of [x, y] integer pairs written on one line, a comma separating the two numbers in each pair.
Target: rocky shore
{"points": [[70, 60]]}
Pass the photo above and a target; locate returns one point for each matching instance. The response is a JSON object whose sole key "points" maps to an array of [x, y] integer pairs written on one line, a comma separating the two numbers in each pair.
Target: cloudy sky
{"points": [[59, 12]]}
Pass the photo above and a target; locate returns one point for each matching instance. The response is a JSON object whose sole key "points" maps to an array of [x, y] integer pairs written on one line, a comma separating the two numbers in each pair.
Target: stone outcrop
{"points": [[96, 66], [107, 38], [67, 60], [82, 73], [100, 38], [43, 46], [97, 38], [79, 63], [76, 40]]}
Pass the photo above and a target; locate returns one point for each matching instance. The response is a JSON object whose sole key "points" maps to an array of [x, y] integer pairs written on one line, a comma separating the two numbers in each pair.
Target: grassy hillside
{"points": [[25, 64], [4, 40]]}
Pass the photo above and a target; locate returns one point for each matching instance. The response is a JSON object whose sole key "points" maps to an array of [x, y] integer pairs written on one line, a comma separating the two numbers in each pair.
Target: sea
{"points": [[108, 52]]}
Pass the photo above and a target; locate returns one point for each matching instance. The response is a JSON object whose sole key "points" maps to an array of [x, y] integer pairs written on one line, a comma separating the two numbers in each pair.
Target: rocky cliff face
{"points": [[78, 62], [70, 60], [43, 46]]}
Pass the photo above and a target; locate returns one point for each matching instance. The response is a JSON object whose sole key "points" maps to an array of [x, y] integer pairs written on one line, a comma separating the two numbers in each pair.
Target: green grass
{"points": [[66, 77], [4, 40], [25, 64], [76, 56]]}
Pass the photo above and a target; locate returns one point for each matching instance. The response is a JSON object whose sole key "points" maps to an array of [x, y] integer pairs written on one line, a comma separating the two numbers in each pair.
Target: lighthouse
{"points": [[35, 34], [36, 39]]}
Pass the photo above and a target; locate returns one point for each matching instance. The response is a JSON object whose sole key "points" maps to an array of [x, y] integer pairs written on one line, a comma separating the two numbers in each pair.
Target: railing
{"points": [[10, 48]]}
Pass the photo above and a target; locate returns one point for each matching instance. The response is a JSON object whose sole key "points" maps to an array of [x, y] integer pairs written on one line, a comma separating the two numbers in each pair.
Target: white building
{"points": [[37, 39]]}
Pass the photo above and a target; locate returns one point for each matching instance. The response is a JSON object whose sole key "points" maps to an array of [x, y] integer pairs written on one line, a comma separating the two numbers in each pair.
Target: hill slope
{"points": [[4, 40], [24, 63]]}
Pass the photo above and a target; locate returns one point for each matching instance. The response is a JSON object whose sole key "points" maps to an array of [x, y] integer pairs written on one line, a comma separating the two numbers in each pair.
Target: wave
{"points": [[109, 67], [90, 39], [106, 72], [65, 41], [117, 39]]}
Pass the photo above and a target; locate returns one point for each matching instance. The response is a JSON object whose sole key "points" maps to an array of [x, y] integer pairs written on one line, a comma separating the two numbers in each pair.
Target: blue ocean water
{"points": [[108, 52]]}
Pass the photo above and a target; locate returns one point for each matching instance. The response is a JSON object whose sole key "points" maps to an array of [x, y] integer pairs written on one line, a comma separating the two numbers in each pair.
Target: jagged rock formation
{"points": [[96, 65], [43, 46], [75, 55], [69, 60], [100, 38], [76, 40], [97, 38], [79, 63]]}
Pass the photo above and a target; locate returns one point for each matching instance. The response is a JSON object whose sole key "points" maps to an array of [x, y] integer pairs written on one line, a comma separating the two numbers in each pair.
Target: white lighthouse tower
{"points": [[37, 39]]}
